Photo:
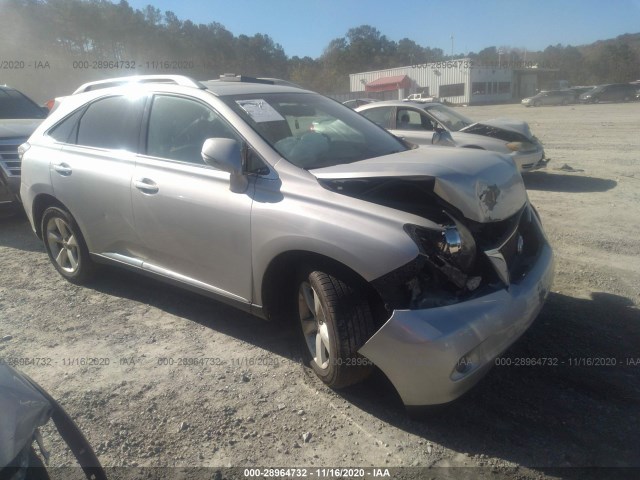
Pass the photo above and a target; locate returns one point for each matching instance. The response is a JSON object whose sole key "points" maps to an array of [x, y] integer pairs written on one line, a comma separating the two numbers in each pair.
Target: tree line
{"points": [[86, 39]]}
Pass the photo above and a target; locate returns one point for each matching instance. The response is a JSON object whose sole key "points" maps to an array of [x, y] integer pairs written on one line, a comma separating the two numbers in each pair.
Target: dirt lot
{"points": [[253, 402]]}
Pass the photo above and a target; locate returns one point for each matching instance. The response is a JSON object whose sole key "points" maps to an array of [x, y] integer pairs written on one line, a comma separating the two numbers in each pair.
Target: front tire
{"points": [[65, 245], [335, 320]]}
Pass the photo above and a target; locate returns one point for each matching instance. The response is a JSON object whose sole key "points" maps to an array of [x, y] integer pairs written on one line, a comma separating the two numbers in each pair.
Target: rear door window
{"points": [[112, 123]]}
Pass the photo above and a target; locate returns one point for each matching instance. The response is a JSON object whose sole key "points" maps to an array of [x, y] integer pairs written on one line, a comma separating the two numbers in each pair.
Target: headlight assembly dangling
{"points": [[451, 250]]}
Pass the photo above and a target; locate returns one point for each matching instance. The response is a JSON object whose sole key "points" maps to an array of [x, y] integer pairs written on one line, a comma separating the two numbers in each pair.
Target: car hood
{"points": [[497, 127], [485, 186], [11, 127]]}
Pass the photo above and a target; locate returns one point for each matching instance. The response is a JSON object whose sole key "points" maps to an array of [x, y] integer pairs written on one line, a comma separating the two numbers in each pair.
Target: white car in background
{"points": [[416, 122]]}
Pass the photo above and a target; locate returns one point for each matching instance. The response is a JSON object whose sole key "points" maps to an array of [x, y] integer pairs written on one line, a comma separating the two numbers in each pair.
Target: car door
{"points": [[192, 227], [413, 125], [91, 173]]}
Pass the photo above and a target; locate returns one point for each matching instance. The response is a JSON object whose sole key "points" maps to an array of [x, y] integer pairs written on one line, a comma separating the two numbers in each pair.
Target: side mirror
{"points": [[442, 137], [225, 154]]}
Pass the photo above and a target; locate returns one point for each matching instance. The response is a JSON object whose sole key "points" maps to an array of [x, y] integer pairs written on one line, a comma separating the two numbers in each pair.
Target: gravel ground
{"points": [[251, 403]]}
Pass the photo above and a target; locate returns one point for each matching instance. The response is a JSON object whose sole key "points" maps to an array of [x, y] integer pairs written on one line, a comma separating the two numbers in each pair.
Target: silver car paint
{"points": [[461, 180], [517, 126], [419, 350], [194, 225], [297, 214], [521, 159], [95, 184], [282, 211]]}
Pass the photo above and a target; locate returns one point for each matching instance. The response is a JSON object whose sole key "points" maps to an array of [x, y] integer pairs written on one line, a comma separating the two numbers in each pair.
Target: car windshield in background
{"points": [[312, 131], [15, 105], [451, 119]]}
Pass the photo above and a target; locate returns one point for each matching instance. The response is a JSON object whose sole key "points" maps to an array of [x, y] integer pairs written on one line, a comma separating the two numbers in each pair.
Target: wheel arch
{"points": [[279, 281], [40, 204]]}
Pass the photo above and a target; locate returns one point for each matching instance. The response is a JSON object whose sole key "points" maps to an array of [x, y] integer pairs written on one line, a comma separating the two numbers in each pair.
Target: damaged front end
{"points": [[527, 150], [462, 260], [463, 251], [483, 271]]}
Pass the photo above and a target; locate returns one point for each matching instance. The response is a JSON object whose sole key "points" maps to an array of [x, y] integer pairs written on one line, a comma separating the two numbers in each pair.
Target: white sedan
{"points": [[417, 122]]}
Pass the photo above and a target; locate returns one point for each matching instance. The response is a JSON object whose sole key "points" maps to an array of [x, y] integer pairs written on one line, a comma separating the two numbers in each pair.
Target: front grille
{"points": [[493, 234], [9, 161], [504, 237]]}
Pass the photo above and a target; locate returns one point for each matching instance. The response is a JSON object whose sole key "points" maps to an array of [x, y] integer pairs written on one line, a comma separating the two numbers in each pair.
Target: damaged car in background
{"points": [[416, 122], [427, 263], [25, 408]]}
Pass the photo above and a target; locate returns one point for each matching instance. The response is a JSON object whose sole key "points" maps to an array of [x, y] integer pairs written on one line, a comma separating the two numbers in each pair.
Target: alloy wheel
{"points": [[314, 325], [63, 244]]}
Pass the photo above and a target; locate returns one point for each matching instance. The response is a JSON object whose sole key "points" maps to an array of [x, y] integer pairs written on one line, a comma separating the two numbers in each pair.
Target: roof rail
{"points": [[232, 77], [114, 82]]}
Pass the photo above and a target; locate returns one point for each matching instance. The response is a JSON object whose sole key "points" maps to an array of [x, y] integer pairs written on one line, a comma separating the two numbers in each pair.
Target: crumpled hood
{"points": [[517, 126], [11, 128], [485, 186]]}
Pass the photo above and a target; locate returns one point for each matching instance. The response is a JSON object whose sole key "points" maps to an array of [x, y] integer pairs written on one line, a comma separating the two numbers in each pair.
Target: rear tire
{"points": [[65, 245], [335, 319]]}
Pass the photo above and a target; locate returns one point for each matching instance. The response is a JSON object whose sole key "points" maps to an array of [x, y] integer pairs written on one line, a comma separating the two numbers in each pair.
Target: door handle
{"points": [[146, 185], [63, 169]]}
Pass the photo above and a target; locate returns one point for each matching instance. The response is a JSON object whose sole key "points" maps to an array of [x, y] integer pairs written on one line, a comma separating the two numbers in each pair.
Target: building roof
{"points": [[388, 83]]}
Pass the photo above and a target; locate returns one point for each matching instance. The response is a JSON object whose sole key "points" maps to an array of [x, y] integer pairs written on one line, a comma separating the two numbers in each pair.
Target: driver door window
{"points": [[179, 126], [407, 119]]}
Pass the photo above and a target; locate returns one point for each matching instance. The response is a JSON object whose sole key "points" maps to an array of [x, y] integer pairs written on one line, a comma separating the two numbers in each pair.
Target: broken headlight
{"points": [[454, 244], [521, 146], [450, 251]]}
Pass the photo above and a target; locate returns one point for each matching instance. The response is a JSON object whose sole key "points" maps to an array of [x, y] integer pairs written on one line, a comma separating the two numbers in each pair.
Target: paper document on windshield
{"points": [[260, 111]]}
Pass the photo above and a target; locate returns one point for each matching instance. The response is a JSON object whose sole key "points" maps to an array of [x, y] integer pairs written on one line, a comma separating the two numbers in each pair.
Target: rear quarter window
{"points": [[66, 131]]}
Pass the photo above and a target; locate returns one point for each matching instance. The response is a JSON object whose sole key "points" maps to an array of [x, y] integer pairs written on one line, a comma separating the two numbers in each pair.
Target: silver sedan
{"points": [[417, 122]]}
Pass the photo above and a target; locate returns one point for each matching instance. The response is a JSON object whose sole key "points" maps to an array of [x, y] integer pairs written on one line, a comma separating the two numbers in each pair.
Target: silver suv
{"points": [[427, 263]]}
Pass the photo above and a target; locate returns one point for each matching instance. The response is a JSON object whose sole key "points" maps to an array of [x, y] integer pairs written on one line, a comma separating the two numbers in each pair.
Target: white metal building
{"points": [[456, 81]]}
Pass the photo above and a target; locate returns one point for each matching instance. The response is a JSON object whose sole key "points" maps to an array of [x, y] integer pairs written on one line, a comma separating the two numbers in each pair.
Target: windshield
{"points": [[13, 105], [312, 131], [448, 117]]}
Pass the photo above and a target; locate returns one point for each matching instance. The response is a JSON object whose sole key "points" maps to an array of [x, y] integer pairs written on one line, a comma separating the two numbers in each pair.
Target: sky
{"points": [[305, 27]]}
